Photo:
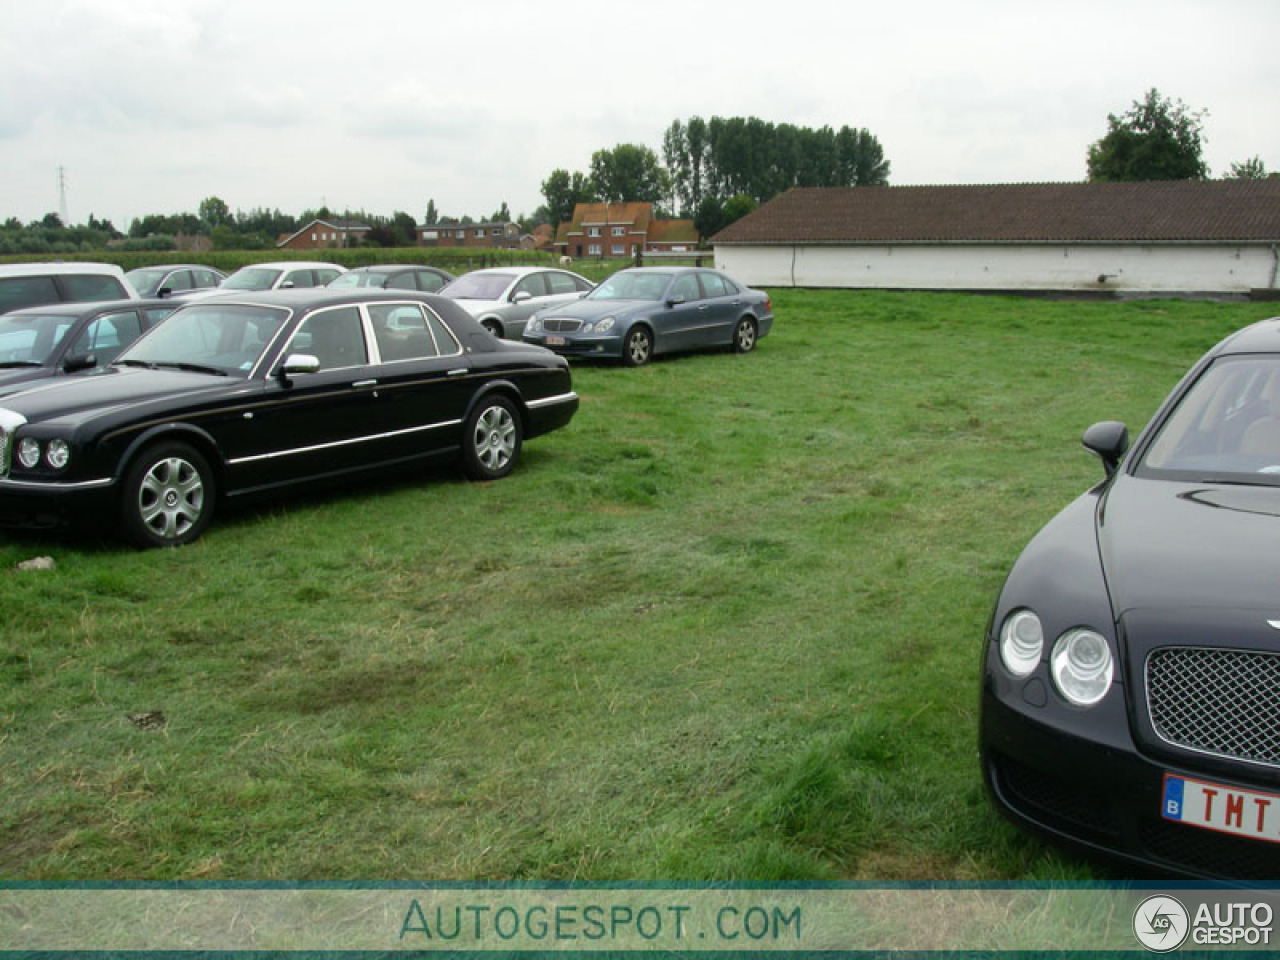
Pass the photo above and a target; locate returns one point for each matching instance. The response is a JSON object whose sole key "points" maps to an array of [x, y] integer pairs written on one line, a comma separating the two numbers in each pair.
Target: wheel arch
{"points": [[504, 388], [186, 433]]}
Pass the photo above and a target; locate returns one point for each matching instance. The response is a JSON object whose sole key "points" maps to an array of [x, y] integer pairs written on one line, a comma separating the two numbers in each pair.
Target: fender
{"points": [[174, 431]]}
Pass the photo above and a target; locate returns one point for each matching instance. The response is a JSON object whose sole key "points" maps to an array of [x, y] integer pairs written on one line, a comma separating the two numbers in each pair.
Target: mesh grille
{"points": [[560, 325], [1221, 702]]}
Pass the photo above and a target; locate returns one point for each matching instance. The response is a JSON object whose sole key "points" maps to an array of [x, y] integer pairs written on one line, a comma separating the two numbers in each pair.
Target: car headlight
{"points": [[1021, 642], [58, 454], [603, 325], [1082, 666], [533, 326], [29, 452]]}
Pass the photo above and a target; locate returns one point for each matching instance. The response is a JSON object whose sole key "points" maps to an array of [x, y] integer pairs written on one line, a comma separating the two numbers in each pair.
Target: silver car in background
{"points": [[504, 298]]}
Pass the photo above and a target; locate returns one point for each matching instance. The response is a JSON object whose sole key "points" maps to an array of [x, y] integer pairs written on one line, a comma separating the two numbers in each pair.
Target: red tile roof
{"points": [[1182, 211]]}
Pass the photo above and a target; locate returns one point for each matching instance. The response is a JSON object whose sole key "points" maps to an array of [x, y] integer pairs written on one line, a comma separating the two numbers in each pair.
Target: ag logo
{"points": [[1161, 924]]}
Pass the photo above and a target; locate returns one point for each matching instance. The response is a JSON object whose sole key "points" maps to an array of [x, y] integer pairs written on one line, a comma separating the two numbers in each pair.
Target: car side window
{"points": [[714, 285], [535, 285], [106, 336], [686, 286], [446, 343], [334, 337], [562, 283], [154, 315], [401, 332], [299, 279], [205, 278], [324, 276], [178, 280], [430, 282], [82, 288], [404, 281]]}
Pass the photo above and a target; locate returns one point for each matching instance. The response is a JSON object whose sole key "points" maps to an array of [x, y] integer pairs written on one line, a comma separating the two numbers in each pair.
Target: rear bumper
{"points": [[550, 413]]}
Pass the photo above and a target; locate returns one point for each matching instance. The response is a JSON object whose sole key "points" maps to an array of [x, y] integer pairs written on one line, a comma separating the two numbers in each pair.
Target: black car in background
{"points": [[61, 338], [391, 276], [1130, 697], [242, 394]]}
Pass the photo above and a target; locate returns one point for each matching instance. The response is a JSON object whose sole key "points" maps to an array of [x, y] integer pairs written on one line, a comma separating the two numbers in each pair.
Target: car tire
{"points": [[637, 347], [744, 336], [493, 326], [491, 439], [168, 496]]}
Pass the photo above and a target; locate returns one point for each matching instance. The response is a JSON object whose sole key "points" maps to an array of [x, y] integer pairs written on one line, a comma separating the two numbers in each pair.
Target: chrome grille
{"points": [[560, 325], [9, 423], [5, 441], [1221, 702]]}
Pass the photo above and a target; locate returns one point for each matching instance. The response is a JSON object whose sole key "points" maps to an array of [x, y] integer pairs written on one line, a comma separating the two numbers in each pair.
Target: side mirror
{"points": [[164, 292], [81, 361], [297, 363], [520, 296], [287, 285], [1110, 441], [674, 302]]}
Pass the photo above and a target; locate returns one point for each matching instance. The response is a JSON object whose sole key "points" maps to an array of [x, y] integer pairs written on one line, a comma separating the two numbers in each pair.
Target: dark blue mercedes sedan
{"points": [[639, 313]]}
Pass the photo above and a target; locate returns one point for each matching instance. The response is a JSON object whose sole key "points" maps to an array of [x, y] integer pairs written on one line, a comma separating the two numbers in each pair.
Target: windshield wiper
{"points": [[191, 367], [10, 364], [134, 363]]}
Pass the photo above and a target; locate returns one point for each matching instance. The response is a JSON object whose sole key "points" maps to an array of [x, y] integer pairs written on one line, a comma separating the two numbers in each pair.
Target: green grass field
{"points": [[726, 626]]}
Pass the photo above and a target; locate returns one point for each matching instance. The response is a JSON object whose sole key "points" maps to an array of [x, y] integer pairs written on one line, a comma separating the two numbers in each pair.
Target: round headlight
{"points": [[58, 454], [1082, 666], [1021, 642], [28, 452]]}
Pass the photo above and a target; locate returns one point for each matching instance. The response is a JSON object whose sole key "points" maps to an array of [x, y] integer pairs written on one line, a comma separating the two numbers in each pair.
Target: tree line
{"points": [[713, 171]]}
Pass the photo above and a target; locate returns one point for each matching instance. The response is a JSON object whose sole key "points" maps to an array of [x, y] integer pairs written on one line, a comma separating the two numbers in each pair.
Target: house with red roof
{"points": [[622, 230]]}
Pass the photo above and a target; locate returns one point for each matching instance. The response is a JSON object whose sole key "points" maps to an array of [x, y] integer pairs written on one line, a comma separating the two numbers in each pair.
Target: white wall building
{"points": [[1193, 237]]}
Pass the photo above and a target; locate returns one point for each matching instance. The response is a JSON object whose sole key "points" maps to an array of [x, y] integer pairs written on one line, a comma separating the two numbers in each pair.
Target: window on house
{"points": [[619, 249], [593, 232], [619, 231], [593, 250]]}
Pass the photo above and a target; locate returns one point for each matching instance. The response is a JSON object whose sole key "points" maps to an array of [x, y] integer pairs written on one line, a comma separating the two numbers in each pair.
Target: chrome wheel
{"points": [[492, 440], [638, 347], [169, 495], [744, 336]]}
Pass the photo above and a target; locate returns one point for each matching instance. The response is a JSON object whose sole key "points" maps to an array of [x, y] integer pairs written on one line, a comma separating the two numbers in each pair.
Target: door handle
{"points": [[364, 384], [458, 372]]}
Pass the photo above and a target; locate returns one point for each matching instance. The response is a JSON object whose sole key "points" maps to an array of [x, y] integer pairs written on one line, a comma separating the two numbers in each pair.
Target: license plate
{"points": [[1212, 806], [555, 341]]}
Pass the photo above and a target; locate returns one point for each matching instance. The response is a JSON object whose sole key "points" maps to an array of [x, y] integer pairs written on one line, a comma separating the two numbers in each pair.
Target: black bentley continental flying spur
{"points": [[1131, 678]]}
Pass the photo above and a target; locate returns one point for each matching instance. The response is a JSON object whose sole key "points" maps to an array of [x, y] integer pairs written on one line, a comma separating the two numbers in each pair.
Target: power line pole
{"points": [[62, 196]]}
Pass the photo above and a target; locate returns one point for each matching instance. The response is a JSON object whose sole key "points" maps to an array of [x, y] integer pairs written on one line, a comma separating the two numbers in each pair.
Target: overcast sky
{"points": [[149, 106]]}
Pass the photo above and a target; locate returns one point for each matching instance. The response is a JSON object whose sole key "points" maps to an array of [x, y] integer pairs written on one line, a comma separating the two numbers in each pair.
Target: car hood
{"points": [[15, 378], [1167, 545], [594, 309], [80, 398]]}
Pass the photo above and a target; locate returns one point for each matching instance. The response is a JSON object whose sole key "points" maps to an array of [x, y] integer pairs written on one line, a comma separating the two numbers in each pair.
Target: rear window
{"points": [[19, 292], [82, 288]]}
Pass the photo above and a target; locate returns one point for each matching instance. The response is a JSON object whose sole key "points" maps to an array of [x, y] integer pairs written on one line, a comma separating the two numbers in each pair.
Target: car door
{"points": [[721, 304], [424, 382], [311, 424], [678, 323]]}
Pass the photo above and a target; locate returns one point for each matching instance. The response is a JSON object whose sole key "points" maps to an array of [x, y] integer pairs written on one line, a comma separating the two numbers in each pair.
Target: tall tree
{"points": [[629, 172], [1157, 139], [213, 212], [562, 191], [433, 215]]}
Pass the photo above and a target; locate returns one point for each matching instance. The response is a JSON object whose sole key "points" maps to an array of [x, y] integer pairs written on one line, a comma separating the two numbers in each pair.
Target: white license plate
{"points": [[555, 341], [1212, 806]]}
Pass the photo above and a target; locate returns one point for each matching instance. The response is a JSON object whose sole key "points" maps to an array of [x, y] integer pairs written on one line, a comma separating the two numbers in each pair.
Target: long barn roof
{"points": [[1181, 211]]}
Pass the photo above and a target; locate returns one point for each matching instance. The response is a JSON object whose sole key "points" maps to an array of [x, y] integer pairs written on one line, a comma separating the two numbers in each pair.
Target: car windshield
{"points": [[1225, 428], [251, 278], [146, 281], [479, 286], [28, 341], [359, 278], [632, 286], [218, 339]]}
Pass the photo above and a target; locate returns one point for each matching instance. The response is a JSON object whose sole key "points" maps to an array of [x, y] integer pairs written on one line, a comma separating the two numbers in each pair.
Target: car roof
{"points": [[292, 265], [88, 307], [390, 267], [1260, 337], [50, 269], [176, 266]]}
